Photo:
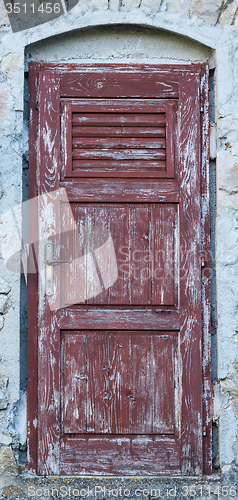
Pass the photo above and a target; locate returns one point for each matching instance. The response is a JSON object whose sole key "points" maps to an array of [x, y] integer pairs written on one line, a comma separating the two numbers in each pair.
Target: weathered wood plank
{"points": [[118, 401], [32, 395], [117, 143], [118, 131], [130, 318], [49, 333], [205, 242], [190, 276], [140, 385], [164, 254], [101, 394], [117, 84], [119, 229], [163, 381], [99, 190], [100, 456], [66, 139], [140, 254], [171, 140], [119, 154], [119, 169], [158, 106], [102, 220], [74, 383], [112, 119]]}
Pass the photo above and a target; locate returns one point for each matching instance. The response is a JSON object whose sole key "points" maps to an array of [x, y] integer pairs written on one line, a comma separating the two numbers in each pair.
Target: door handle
{"points": [[50, 262]]}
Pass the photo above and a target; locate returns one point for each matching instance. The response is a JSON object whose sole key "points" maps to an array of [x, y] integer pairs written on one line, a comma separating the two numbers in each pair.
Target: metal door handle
{"points": [[49, 274]]}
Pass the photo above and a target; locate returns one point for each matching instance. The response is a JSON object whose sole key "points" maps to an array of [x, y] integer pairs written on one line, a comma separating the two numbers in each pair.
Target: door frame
{"points": [[176, 71]]}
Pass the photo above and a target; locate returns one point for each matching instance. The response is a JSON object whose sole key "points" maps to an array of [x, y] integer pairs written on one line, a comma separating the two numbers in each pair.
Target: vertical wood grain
{"points": [[140, 385], [101, 220], [190, 275], [32, 379], [49, 332], [119, 229], [164, 254], [66, 139], [163, 380], [74, 375], [170, 140], [140, 251], [119, 383], [206, 301], [98, 367]]}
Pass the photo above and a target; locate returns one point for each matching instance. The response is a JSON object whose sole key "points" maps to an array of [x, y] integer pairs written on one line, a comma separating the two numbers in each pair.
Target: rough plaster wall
{"points": [[121, 43], [210, 24]]}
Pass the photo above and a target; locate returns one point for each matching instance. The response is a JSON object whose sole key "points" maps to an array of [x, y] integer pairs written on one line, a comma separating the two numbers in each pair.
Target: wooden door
{"points": [[123, 379]]}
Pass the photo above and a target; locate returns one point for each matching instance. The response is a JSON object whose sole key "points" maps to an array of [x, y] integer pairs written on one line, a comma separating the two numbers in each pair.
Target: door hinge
{"points": [[204, 431]]}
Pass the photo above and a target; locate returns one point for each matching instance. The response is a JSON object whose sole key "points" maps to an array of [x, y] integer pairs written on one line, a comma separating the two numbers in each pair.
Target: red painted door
{"points": [[122, 183]]}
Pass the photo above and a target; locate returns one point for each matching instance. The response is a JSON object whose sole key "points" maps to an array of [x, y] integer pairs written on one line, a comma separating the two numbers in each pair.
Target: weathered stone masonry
{"points": [[156, 31]]}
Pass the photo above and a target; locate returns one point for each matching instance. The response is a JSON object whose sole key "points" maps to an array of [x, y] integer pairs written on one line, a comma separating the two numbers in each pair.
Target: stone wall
{"points": [[157, 31]]}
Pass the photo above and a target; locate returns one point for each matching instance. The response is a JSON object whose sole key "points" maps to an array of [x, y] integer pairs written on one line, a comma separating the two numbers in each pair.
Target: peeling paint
{"points": [[175, 17]]}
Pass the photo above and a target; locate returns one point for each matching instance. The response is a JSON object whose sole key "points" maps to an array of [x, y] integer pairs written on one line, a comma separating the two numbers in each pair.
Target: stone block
{"points": [[3, 392], [154, 6], [130, 4], [12, 491], [227, 171], [228, 12], [114, 5], [207, 10], [100, 4], [3, 303], [8, 464], [4, 287], [230, 384], [175, 6], [11, 62], [5, 439]]}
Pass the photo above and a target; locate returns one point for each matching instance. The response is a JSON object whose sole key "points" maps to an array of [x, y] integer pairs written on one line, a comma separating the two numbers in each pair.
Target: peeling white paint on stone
{"points": [[229, 420]]}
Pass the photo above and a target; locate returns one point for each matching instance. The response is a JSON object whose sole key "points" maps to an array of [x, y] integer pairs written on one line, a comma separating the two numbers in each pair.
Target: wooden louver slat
{"points": [[118, 138], [129, 144]]}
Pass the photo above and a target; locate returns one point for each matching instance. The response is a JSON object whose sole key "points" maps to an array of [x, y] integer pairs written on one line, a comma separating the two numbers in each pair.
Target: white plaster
{"points": [[228, 432], [213, 141], [20, 420], [1, 322], [131, 45], [5, 439], [220, 401], [4, 286], [12, 62]]}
